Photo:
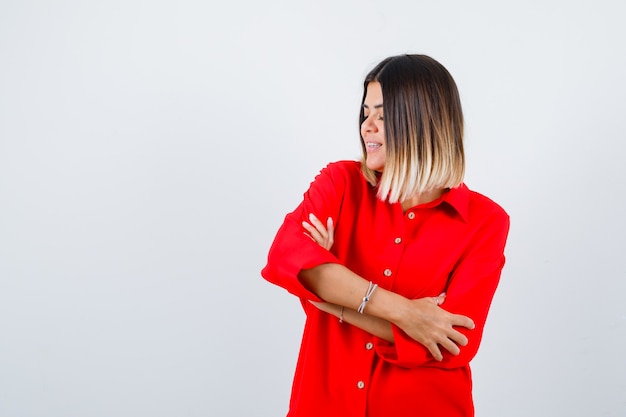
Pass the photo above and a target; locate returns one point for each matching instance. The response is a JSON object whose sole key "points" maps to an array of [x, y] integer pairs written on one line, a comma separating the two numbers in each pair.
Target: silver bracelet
{"points": [[370, 290]]}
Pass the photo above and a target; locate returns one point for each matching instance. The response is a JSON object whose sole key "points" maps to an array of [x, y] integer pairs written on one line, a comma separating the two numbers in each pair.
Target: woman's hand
{"points": [[432, 326], [323, 236]]}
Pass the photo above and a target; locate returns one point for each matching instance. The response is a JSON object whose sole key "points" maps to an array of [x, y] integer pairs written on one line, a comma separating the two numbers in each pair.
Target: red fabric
{"points": [[454, 244]]}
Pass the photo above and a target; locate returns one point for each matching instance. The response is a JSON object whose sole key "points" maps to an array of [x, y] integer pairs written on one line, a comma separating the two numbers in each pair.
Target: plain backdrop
{"points": [[149, 151]]}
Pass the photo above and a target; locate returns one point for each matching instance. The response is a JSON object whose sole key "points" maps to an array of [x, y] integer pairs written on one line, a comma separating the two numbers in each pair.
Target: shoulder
{"points": [[343, 172], [344, 179], [344, 167], [482, 207]]}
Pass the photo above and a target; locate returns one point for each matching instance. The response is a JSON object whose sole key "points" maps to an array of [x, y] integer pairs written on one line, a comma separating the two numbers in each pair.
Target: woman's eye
{"points": [[380, 117]]}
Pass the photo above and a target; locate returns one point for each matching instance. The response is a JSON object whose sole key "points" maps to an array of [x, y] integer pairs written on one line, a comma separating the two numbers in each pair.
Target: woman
{"points": [[396, 285]]}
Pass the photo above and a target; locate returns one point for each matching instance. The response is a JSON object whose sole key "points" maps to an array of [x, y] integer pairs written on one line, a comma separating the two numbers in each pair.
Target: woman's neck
{"points": [[422, 198]]}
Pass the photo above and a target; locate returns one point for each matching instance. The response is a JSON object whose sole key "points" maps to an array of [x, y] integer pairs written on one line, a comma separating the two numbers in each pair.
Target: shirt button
{"points": [[387, 272], [360, 385], [369, 346], [411, 216], [397, 240]]}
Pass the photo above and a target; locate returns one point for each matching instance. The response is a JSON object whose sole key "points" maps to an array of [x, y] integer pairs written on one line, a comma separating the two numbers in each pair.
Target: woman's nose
{"points": [[368, 125]]}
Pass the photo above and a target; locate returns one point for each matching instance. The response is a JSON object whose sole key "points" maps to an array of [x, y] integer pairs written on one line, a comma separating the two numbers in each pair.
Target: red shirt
{"points": [[453, 244]]}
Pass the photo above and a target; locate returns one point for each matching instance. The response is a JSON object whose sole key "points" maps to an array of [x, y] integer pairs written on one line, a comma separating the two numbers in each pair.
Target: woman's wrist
{"points": [[389, 306]]}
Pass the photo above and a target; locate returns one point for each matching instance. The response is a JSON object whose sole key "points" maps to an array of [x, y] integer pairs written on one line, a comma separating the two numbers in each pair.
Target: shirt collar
{"points": [[458, 198]]}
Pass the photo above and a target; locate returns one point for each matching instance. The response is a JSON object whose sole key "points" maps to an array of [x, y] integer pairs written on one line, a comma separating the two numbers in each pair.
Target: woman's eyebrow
{"points": [[377, 106]]}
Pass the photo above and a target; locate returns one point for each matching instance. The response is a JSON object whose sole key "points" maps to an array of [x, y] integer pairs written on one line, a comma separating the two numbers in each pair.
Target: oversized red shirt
{"points": [[453, 244]]}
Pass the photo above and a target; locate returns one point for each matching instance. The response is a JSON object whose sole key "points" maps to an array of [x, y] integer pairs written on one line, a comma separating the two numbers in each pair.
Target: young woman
{"points": [[397, 282]]}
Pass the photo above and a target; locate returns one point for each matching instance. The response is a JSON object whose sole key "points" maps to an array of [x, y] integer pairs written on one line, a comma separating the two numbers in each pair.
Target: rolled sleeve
{"points": [[292, 250]]}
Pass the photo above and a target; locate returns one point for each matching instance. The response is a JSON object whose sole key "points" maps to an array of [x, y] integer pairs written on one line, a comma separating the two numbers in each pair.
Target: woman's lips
{"points": [[372, 146]]}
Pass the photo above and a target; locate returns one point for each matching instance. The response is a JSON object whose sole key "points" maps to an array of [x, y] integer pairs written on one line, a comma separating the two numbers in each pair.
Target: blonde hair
{"points": [[423, 128]]}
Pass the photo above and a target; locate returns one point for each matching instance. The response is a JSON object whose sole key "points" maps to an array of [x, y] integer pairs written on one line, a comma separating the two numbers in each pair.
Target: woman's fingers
{"points": [[450, 346], [462, 321], [436, 328], [434, 350], [452, 342], [440, 299], [313, 233], [318, 226], [330, 227], [323, 236], [458, 338]]}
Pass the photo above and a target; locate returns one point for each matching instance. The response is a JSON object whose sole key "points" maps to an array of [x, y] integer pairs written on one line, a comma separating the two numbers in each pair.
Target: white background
{"points": [[150, 149]]}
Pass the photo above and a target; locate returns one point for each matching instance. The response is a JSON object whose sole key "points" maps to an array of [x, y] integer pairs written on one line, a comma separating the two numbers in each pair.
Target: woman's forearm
{"points": [[422, 319], [373, 325], [336, 284]]}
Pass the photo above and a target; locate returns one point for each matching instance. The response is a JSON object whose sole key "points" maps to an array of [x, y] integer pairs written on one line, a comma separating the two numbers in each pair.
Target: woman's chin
{"points": [[374, 166]]}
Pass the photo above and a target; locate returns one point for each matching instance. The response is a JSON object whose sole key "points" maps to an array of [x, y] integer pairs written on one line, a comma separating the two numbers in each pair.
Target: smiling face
{"points": [[373, 127]]}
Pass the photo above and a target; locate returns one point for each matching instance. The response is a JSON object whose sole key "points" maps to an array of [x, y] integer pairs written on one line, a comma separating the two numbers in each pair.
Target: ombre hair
{"points": [[423, 123]]}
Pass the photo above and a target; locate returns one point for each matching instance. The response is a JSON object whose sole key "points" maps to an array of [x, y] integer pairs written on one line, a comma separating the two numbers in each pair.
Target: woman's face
{"points": [[373, 127]]}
